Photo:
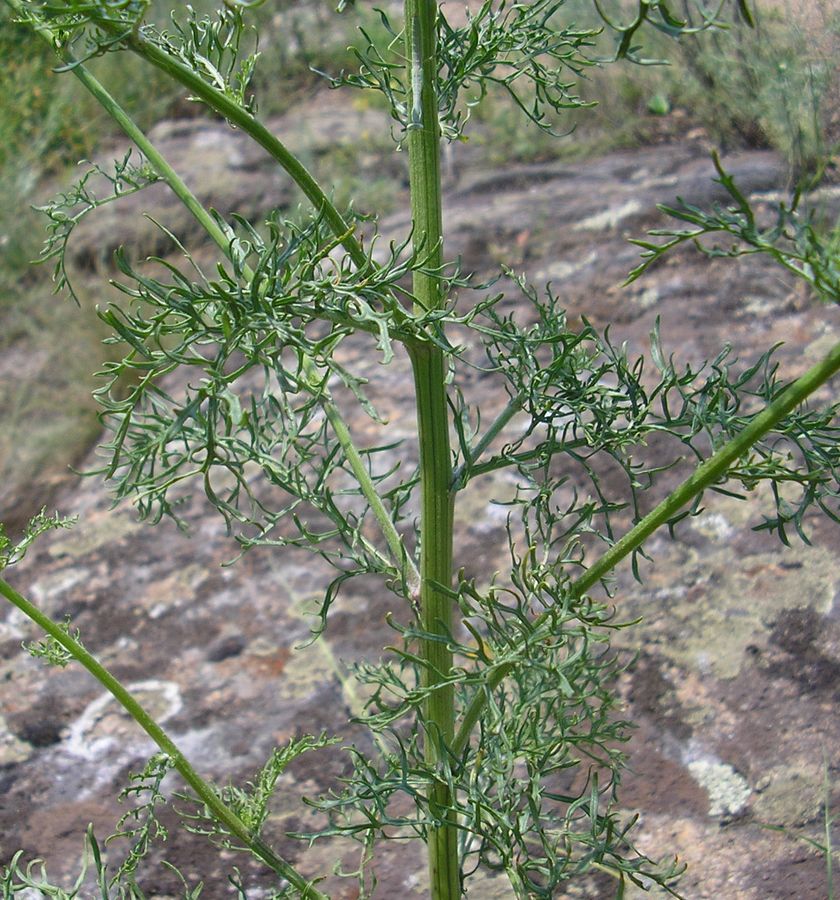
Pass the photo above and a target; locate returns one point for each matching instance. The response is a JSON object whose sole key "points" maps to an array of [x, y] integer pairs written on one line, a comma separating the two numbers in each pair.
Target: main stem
{"points": [[429, 369]]}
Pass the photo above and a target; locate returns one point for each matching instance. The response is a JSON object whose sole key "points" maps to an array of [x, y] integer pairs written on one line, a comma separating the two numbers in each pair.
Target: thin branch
{"points": [[703, 477], [467, 467]]}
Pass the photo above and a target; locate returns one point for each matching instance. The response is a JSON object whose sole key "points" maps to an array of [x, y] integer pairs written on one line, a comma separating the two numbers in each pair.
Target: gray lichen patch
{"points": [[564, 268], [609, 218], [728, 791], [175, 590], [713, 525], [646, 298], [299, 673], [56, 584], [486, 512], [98, 529], [718, 607]]}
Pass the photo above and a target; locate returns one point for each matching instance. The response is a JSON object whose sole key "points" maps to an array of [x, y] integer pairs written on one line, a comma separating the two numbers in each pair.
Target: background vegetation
{"points": [[775, 87]]}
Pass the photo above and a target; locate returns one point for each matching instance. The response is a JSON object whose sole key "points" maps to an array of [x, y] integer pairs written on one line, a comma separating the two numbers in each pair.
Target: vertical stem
{"points": [[429, 367]]}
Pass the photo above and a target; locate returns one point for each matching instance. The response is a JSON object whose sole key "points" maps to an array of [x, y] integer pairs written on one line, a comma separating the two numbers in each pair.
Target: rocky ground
{"points": [[735, 688]]}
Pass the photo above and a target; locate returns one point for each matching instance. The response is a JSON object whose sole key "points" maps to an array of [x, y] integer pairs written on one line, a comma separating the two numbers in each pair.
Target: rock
{"points": [[726, 615]]}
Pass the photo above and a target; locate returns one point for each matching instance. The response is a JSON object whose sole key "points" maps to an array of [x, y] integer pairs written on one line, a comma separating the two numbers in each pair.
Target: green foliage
{"points": [[66, 210], [659, 105], [518, 810], [500, 44], [35, 125], [17, 880], [261, 319], [13, 553], [772, 85], [48, 123], [140, 824], [250, 803], [50, 650], [212, 48], [495, 715], [789, 236]]}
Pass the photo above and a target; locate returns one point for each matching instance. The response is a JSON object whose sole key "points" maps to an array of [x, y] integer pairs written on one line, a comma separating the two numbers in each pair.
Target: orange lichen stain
{"points": [[268, 664]]}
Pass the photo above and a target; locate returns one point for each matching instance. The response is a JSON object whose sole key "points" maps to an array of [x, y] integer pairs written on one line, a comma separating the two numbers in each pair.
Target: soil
{"points": [[736, 676]]}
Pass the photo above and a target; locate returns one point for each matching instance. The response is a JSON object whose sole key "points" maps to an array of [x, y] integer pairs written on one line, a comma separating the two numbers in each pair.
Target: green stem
{"points": [[463, 473], [248, 123], [407, 568], [471, 468], [828, 821], [241, 118], [429, 369], [408, 571], [202, 789], [704, 476], [518, 459], [176, 184]]}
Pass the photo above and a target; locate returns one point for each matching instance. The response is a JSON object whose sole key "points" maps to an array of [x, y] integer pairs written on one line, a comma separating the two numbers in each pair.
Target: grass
{"points": [[775, 86], [47, 414]]}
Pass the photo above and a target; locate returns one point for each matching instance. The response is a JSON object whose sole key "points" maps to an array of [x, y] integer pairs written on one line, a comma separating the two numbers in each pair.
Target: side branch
{"points": [[241, 118], [405, 565], [202, 789], [703, 477]]}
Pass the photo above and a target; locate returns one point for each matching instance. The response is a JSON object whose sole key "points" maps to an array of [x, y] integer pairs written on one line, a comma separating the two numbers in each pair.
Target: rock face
{"points": [[735, 685]]}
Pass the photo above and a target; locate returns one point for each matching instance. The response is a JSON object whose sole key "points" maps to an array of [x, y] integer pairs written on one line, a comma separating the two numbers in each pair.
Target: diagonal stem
{"points": [[241, 118], [465, 471], [703, 477], [202, 789]]}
